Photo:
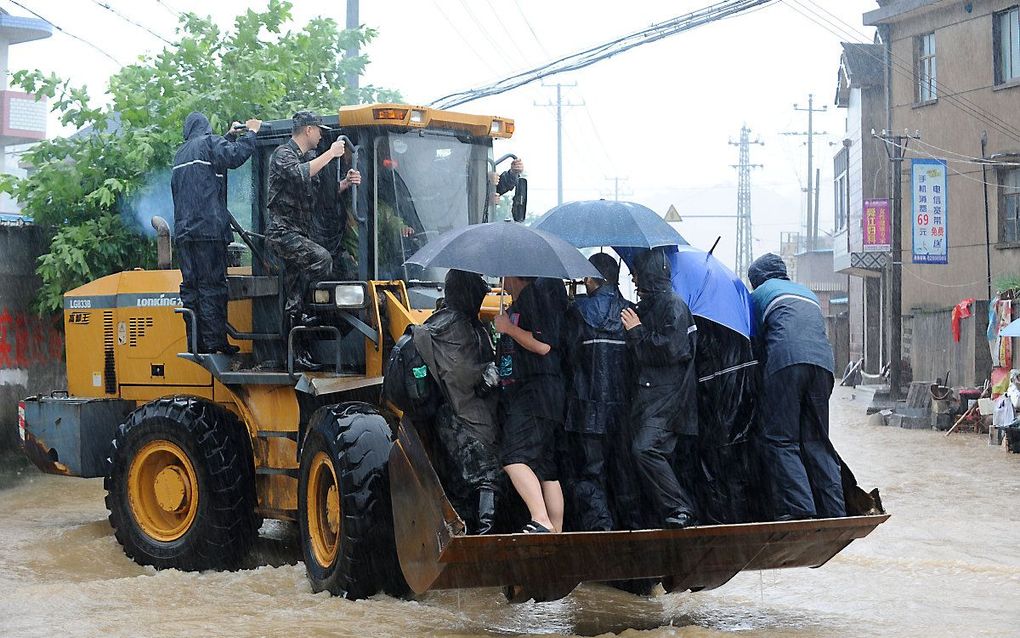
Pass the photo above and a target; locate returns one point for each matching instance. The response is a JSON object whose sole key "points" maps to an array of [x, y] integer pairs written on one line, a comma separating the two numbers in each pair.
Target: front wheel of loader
{"points": [[180, 486], [344, 503]]}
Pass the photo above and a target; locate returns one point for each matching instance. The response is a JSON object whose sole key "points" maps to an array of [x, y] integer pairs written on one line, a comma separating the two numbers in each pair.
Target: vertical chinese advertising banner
{"points": [[877, 231], [930, 219]]}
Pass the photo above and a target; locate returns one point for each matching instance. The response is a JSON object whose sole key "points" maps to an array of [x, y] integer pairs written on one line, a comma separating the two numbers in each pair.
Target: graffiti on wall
{"points": [[26, 340]]}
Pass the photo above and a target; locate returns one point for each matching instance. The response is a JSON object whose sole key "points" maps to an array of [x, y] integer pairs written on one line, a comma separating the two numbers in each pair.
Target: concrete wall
{"points": [[964, 59], [31, 347]]}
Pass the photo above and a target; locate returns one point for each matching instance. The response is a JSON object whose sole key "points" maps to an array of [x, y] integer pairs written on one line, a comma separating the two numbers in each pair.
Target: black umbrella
{"points": [[504, 249], [601, 222]]}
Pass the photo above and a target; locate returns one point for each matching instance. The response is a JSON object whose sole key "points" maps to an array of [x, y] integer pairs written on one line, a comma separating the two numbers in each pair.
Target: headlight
{"points": [[350, 296], [320, 295]]}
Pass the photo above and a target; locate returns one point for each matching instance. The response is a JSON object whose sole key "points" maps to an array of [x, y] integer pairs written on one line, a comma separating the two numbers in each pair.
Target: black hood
{"points": [[768, 266], [196, 125], [465, 291], [553, 294], [652, 271]]}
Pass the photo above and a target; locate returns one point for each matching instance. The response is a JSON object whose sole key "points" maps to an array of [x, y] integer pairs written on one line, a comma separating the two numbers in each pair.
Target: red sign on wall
{"points": [[877, 231]]}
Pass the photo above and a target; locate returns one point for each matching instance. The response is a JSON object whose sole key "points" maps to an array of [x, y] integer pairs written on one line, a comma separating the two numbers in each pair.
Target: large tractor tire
{"points": [[344, 508], [181, 486]]}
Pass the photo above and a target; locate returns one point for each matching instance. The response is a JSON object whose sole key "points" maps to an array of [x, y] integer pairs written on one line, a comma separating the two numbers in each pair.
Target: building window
{"points": [[839, 191], [1009, 205], [925, 68], [1006, 36]]}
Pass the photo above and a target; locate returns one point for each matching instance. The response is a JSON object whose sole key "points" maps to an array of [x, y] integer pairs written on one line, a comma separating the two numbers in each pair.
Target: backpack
{"points": [[407, 382]]}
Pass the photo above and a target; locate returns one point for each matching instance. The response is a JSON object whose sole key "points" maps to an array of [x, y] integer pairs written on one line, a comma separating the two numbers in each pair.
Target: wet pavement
{"points": [[946, 564]]}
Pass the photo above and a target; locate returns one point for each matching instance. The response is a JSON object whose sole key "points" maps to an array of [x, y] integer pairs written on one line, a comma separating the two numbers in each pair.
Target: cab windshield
{"points": [[425, 184]]}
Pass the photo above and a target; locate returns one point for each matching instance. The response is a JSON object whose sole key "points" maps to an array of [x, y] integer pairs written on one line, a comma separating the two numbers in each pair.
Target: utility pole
{"points": [[559, 104], [352, 23], [616, 186], [744, 244], [895, 147], [812, 215]]}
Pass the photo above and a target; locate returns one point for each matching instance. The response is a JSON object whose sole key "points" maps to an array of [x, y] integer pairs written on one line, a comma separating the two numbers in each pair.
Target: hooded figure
{"points": [[202, 225], [661, 338], [798, 363], [597, 438], [466, 424]]}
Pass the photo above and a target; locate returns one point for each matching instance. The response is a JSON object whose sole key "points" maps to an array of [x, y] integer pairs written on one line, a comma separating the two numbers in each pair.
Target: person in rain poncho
{"points": [[463, 356], [597, 434], [662, 337], [798, 365], [294, 172], [202, 223], [532, 399]]}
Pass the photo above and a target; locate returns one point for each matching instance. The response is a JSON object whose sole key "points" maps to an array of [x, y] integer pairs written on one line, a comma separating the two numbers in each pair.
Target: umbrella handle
{"points": [[502, 293]]}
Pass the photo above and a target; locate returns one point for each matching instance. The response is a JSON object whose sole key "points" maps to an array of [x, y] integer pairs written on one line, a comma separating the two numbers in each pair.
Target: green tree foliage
{"points": [[259, 68]]}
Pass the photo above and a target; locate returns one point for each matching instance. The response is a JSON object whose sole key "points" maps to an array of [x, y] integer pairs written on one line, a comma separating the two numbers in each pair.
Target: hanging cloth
{"points": [[960, 311]]}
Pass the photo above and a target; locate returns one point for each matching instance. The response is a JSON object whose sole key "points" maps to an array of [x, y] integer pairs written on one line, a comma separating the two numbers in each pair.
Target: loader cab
{"points": [[423, 171]]}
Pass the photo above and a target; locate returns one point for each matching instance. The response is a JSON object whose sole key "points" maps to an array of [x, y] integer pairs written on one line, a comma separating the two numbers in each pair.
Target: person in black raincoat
{"points": [[463, 356], [598, 400], [202, 223], [529, 359], [662, 338], [294, 172], [798, 379]]}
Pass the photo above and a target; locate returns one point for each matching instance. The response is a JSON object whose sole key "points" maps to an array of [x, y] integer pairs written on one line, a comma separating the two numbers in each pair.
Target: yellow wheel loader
{"points": [[196, 449]]}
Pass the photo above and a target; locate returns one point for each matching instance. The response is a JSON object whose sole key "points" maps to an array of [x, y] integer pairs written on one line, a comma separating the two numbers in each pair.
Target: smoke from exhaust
{"points": [[153, 198]]}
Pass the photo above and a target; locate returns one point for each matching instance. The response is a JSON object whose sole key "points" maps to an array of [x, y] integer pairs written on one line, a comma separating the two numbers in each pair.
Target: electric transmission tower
{"points": [[744, 243]]}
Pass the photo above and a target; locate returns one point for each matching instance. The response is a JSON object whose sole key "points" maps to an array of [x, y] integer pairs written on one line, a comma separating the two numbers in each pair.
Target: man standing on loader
{"points": [[661, 337], [294, 171], [797, 358], [460, 354], [598, 400], [202, 223]]}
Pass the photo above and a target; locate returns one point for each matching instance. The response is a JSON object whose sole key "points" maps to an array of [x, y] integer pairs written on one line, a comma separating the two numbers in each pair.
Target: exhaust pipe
{"points": [[164, 251]]}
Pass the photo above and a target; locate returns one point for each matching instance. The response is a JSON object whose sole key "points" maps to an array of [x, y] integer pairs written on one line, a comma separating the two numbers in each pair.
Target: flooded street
{"points": [[945, 564]]}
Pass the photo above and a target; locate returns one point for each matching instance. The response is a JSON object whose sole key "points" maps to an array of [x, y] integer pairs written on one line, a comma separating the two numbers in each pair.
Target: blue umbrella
{"points": [[1012, 330], [710, 289], [602, 222]]}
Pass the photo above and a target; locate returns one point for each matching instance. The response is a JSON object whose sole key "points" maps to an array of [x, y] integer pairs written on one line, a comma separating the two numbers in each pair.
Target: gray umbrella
{"points": [[609, 223], [504, 249]]}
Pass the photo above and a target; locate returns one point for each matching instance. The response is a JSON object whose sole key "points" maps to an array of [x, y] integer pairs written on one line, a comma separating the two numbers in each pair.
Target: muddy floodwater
{"points": [[946, 564]]}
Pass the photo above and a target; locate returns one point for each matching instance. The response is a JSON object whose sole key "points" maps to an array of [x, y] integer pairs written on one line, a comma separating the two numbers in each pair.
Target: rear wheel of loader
{"points": [[180, 487], [344, 503]]}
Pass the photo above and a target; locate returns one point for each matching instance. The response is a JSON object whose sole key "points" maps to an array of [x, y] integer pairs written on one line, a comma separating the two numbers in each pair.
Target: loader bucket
{"points": [[435, 553]]}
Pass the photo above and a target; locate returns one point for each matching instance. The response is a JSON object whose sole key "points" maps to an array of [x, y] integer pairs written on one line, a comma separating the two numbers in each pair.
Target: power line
{"points": [[954, 94], [598, 137], [950, 169], [66, 32], [123, 17], [511, 39], [906, 70], [461, 36], [587, 57], [169, 8], [500, 51], [530, 28]]}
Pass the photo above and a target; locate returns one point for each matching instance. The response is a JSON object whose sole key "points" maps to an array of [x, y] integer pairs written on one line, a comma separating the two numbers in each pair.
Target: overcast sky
{"points": [[660, 116]]}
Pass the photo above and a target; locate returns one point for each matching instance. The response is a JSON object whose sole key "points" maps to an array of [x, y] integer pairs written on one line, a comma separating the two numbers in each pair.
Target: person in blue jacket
{"points": [[797, 362], [202, 223], [601, 474]]}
